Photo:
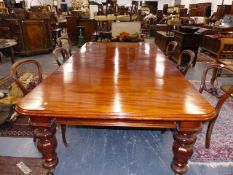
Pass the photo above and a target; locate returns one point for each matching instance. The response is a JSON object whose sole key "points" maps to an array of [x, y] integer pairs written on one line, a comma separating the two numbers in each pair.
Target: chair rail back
{"points": [[191, 54], [14, 72], [64, 54]]}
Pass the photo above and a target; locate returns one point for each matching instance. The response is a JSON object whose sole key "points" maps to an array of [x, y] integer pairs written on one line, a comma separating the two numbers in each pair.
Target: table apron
{"points": [[35, 121]]}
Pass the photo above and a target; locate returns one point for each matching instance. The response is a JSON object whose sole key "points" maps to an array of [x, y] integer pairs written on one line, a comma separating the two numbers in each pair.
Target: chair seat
{"points": [[226, 88]]}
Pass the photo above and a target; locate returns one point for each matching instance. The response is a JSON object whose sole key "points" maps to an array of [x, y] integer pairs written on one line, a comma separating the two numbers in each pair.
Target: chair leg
{"points": [[163, 130], [1, 56], [214, 76], [209, 132], [34, 139], [63, 132]]}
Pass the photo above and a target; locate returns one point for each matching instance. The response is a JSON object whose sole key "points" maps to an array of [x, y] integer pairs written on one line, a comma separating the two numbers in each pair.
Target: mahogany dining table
{"points": [[118, 85]]}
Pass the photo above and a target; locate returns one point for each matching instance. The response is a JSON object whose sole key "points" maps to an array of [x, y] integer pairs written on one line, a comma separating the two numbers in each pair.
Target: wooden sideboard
{"points": [[204, 9], [200, 9], [33, 36], [186, 41], [223, 10], [88, 24], [162, 39], [210, 44]]}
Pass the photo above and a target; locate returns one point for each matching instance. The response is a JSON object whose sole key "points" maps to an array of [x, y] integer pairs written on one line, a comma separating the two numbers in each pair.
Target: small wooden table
{"points": [[117, 85], [7, 45]]}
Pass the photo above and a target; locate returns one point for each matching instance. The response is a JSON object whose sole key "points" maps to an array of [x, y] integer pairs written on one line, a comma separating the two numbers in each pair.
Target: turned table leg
{"points": [[184, 139], [46, 144]]}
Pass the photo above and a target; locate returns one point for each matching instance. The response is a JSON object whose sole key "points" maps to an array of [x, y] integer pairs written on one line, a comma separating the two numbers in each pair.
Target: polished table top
{"points": [[131, 81], [5, 43]]}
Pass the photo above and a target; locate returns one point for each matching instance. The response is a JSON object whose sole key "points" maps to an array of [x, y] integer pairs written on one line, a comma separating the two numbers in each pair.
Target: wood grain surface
{"points": [[127, 81]]}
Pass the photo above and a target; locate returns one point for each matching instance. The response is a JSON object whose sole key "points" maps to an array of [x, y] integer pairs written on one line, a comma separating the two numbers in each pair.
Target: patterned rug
{"points": [[8, 166], [19, 128], [221, 146], [204, 57]]}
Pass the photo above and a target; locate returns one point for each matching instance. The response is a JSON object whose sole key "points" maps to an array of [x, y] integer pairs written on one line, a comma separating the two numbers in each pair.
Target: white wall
{"points": [[187, 2], [162, 2]]}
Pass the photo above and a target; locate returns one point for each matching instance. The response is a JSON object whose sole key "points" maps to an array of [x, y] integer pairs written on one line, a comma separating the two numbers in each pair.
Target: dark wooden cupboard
{"points": [[223, 10], [200, 9], [210, 44], [33, 36], [204, 9], [37, 36]]}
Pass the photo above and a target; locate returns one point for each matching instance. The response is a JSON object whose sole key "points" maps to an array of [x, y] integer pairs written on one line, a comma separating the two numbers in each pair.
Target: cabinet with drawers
{"points": [[33, 36]]}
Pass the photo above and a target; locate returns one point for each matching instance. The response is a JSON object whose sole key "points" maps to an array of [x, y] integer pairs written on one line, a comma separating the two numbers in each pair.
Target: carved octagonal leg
{"points": [[183, 148], [46, 144]]}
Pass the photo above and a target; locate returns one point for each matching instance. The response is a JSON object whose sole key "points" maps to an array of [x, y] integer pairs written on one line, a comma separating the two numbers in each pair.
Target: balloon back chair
{"points": [[221, 99]]}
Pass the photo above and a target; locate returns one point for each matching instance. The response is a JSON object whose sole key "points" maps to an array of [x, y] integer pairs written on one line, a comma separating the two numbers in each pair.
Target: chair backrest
{"points": [[17, 73], [183, 55], [170, 49], [60, 44], [60, 52], [203, 86]]}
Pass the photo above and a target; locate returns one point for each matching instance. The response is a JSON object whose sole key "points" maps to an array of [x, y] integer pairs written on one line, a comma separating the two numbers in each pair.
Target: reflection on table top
{"points": [[131, 81]]}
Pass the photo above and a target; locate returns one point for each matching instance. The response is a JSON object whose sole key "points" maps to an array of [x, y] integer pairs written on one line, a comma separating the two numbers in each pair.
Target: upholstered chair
{"points": [[34, 77]]}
